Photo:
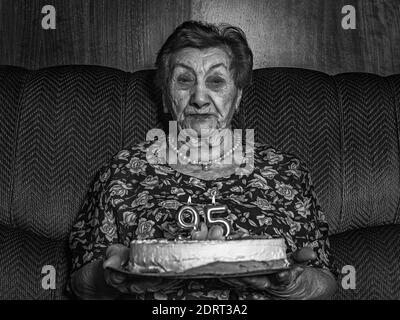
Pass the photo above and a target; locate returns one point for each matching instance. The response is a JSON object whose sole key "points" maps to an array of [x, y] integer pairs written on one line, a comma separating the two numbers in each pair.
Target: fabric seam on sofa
{"points": [[395, 103], [341, 123], [27, 77]]}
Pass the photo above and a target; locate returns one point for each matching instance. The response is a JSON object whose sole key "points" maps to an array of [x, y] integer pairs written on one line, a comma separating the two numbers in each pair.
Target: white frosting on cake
{"points": [[178, 256]]}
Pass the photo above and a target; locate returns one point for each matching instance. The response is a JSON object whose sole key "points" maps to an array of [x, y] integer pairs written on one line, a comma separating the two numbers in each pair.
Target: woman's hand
{"points": [[117, 256], [282, 281], [95, 281], [216, 232], [300, 282]]}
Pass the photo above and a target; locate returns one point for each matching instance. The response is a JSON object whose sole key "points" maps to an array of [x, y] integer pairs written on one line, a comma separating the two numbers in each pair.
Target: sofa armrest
{"points": [[374, 253], [23, 256]]}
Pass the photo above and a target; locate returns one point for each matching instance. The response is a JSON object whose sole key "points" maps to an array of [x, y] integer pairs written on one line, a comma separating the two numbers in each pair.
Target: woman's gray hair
{"points": [[201, 35]]}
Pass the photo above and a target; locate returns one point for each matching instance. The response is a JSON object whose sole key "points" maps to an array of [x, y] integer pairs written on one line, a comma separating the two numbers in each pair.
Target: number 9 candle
{"points": [[192, 213]]}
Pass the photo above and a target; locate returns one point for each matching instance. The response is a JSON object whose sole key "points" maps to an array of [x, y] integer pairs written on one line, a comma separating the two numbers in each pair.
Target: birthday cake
{"points": [[180, 256]]}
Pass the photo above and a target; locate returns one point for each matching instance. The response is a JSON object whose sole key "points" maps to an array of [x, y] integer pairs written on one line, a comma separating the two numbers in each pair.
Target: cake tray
{"points": [[215, 270]]}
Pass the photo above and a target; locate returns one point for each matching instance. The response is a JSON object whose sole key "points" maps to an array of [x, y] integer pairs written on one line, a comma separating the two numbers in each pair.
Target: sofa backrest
{"points": [[59, 125], [345, 127]]}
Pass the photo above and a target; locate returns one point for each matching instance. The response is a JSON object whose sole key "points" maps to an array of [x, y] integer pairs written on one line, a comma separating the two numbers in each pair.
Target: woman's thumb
{"points": [[116, 255], [304, 254]]}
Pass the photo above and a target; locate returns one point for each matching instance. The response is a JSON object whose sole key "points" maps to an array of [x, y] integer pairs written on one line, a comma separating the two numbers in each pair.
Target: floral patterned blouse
{"points": [[133, 199]]}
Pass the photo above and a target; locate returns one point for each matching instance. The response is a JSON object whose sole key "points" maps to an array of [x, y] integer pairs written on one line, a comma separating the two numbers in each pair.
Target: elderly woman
{"points": [[202, 70]]}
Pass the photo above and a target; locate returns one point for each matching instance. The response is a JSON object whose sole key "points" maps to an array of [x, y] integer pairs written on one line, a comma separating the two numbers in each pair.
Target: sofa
{"points": [[60, 124]]}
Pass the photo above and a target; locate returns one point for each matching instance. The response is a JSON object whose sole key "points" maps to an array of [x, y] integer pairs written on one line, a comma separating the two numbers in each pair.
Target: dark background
{"points": [[126, 34]]}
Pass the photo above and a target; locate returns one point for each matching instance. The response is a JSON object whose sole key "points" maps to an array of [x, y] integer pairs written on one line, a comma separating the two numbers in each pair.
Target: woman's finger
{"points": [[286, 278], [152, 285], [115, 278], [216, 233], [236, 235], [283, 278], [232, 282], [114, 261], [297, 271], [119, 254], [200, 234], [304, 254], [257, 282]]}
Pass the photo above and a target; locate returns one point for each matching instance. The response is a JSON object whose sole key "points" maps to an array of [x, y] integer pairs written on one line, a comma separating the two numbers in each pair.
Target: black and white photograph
{"points": [[223, 151]]}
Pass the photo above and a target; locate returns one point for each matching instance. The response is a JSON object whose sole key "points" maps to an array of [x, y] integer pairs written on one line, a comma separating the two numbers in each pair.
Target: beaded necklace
{"points": [[205, 165]]}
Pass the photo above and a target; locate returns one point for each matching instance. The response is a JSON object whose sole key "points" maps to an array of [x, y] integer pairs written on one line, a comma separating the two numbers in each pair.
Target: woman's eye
{"points": [[216, 82], [185, 80]]}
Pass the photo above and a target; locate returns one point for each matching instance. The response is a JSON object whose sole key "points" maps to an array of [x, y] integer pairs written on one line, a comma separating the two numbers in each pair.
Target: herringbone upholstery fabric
{"points": [[375, 254], [22, 257], [69, 125], [60, 124], [297, 111], [144, 107], [370, 151], [11, 80], [394, 83]]}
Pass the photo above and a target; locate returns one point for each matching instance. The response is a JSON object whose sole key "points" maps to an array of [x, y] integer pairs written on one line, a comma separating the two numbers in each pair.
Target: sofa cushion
{"points": [[370, 151], [297, 111], [23, 256], [375, 255], [69, 126], [344, 127]]}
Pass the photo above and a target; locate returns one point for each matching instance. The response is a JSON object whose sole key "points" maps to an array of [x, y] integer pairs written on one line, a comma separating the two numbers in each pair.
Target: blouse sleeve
{"points": [[315, 230], [95, 228]]}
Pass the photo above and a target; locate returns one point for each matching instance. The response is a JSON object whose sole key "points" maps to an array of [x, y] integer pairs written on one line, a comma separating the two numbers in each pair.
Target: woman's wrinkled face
{"points": [[201, 93]]}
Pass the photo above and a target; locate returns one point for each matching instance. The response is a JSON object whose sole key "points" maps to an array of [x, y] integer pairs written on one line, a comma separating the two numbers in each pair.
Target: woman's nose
{"points": [[199, 97]]}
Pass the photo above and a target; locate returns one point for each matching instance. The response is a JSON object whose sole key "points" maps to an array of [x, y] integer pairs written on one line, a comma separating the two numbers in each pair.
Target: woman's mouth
{"points": [[202, 116], [201, 123]]}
